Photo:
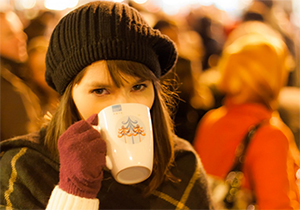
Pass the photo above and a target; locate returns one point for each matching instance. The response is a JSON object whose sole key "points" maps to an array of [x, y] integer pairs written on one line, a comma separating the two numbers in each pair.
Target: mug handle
{"points": [[108, 160]]}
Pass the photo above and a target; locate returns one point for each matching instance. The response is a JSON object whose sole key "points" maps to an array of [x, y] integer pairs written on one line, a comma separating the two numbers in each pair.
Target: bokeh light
{"points": [[59, 4]]}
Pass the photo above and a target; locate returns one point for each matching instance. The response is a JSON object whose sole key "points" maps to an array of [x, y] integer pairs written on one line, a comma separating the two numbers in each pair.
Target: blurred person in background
{"points": [[277, 15], [20, 108], [41, 25], [253, 69], [186, 115], [204, 22], [37, 49]]}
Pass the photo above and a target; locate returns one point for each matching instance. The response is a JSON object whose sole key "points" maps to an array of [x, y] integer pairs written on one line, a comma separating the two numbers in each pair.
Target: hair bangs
{"points": [[117, 68]]}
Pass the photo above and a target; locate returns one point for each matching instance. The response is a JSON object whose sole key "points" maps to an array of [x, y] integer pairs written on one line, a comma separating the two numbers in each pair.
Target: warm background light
{"points": [[60, 5]]}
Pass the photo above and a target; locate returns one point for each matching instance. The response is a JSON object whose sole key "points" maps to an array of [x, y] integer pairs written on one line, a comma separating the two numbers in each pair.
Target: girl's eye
{"points": [[139, 87], [100, 91]]}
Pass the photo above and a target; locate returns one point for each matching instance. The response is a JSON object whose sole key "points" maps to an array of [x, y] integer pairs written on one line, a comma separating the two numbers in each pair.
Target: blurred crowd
{"points": [[25, 96], [199, 35]]}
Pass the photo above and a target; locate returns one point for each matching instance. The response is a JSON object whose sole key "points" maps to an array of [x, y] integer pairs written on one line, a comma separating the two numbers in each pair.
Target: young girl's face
{"points": [[96, 90]]}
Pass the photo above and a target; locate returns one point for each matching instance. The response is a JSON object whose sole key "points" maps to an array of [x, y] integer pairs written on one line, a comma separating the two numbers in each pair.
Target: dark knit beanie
{"points": [[104, 30]]}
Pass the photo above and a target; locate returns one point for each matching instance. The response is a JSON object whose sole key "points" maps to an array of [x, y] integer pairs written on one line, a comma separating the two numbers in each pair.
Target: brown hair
{"points": [[67, 114]]}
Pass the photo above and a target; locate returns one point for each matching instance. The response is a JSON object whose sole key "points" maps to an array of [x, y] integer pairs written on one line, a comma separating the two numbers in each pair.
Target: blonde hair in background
{"points": [[254, 65]]}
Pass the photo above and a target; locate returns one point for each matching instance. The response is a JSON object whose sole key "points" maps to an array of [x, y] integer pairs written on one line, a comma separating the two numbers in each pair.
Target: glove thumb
{"points": [[93, 119]]}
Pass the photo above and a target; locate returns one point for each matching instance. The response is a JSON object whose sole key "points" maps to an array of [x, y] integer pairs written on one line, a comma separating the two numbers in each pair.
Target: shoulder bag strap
{"points": [[242, 148]]}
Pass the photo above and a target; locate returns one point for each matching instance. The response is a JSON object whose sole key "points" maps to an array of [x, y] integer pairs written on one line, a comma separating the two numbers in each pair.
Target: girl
{"points": [[100, 54]]}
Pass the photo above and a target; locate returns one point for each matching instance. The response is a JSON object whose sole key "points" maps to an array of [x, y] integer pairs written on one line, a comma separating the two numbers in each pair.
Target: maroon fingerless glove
{"points": [[82, 159]]}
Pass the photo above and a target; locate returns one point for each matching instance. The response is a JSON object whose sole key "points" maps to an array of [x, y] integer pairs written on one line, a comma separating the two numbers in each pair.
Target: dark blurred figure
{"points": [[19, 105], [211, 32], [41, 25], [257, 10], [211, 45], [186, 116]]}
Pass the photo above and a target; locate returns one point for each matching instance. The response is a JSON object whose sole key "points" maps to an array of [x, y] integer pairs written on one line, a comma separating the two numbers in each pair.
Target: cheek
{"points": [[86, 104], [83, 103], [87, 108], [82, 107]]}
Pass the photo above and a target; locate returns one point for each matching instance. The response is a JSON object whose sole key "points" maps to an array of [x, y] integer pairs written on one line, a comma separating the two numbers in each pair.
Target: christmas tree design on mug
{"points": [[131, 127]]}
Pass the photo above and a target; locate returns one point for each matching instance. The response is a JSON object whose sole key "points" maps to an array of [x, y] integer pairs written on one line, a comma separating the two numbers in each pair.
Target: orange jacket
{"points": [[272, 159]]}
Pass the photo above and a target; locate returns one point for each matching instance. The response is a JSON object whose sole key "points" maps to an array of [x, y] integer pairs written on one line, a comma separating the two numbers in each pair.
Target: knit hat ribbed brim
{"points": [[104, 31]]}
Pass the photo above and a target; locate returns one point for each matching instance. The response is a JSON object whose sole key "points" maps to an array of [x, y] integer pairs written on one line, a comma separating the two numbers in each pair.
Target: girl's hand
{"points": [[82, 159]]}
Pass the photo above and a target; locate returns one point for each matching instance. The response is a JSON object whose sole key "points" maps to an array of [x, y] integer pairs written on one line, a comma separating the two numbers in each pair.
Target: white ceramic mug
{"points": [[127, 130]]}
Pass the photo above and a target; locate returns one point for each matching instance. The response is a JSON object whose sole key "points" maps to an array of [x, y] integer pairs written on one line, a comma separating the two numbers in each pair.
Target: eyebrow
{"points": [[98, 84], [104, 85]]}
